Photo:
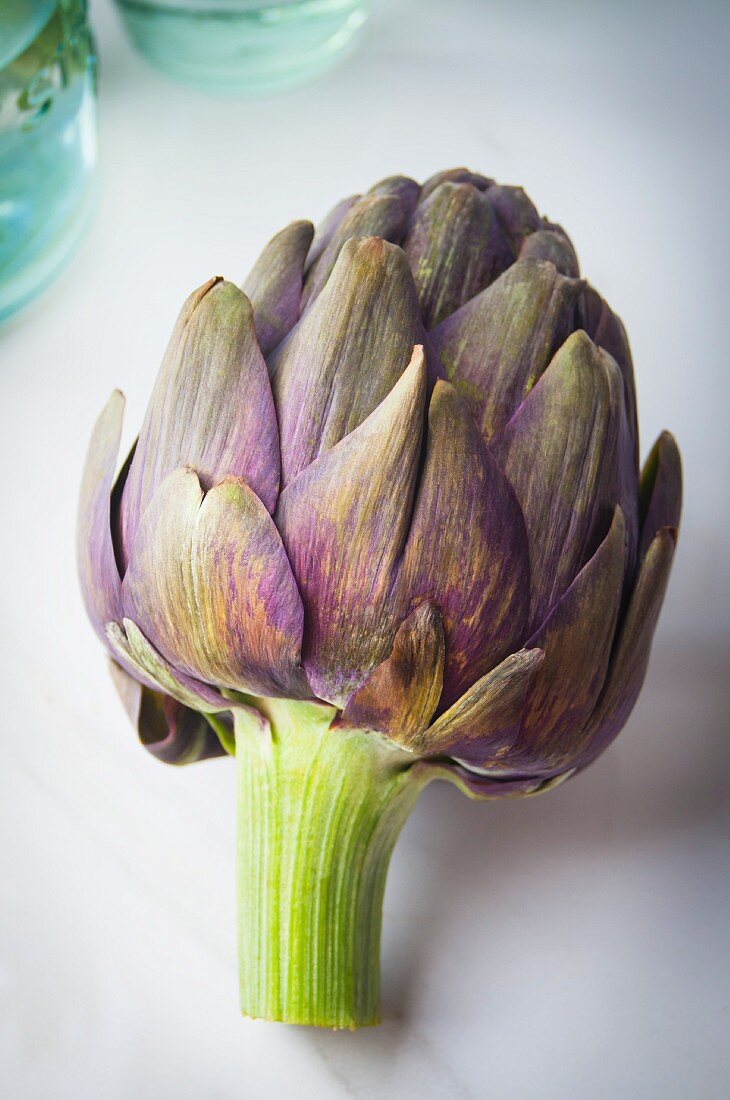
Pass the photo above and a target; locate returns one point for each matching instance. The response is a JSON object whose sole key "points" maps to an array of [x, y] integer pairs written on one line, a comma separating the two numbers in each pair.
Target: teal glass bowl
{"points": [[47, 141], [243, 47]]}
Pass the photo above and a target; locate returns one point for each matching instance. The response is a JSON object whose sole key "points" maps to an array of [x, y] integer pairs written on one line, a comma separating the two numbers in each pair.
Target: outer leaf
{"points": [[211, 407], [661, 490], [456, 247], [97, 568], [347, 352], [628, 485], [467, 548], [344, 522], [454, 175], [577, 638], [555, 247], [210, 585], [480, 786], [496, 346], [517, 215], [327, 228], [481, 726], [274, 285], [139, 659], [401, 694], [170, 731], [371, 216], [607, 331], [405, 188], [631, 656], [559, 451]]}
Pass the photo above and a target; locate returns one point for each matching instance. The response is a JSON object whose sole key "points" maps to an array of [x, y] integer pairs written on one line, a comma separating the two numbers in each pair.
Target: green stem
{"points": [[319, 812]]}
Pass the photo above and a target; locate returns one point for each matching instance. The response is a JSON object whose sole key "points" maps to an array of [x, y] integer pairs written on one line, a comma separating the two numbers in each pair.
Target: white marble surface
{"points": [[570, 946]]}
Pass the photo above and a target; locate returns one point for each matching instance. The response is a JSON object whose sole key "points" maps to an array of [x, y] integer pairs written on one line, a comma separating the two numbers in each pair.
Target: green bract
{"points": [[383, 523]]}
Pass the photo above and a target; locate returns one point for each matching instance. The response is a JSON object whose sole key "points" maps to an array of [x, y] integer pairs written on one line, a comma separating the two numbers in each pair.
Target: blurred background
{"points": [[568, 946]]}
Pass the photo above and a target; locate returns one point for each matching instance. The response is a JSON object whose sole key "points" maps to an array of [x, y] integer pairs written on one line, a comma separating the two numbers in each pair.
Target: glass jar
{"points": [[243, 47], [47, 141]]}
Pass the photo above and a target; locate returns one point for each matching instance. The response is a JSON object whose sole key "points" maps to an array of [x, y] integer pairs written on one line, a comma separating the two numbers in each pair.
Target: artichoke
{"points": [[383, 523]]}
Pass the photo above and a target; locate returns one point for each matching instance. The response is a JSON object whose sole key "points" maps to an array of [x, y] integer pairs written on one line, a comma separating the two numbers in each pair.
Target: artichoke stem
{"points": [[318, 815]]}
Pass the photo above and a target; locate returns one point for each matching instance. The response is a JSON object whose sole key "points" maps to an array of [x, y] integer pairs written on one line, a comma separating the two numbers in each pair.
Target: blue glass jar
{"points": [[47, 141], [243, 47]]}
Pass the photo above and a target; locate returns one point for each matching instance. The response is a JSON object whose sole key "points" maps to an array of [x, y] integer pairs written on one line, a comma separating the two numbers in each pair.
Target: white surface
{"points": [[569, 946]]}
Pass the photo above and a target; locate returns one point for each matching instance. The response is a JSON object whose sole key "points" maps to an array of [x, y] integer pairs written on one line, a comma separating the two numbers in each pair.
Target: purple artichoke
{"points": [[383, 523]]}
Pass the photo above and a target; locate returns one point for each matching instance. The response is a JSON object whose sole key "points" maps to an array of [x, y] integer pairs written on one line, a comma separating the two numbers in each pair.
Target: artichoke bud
{"points": [[384, 523]]}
